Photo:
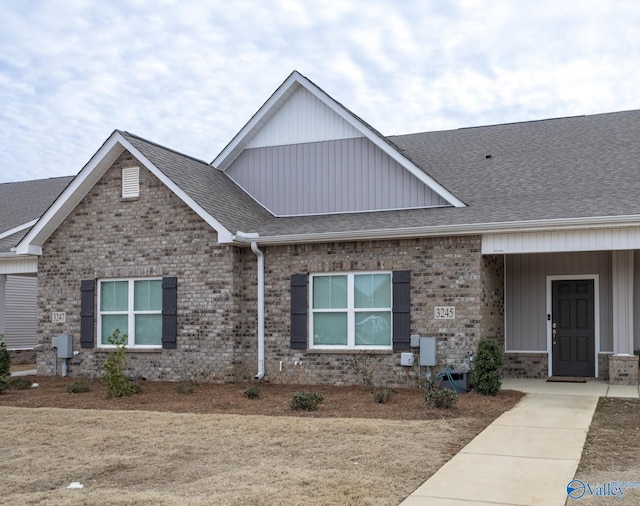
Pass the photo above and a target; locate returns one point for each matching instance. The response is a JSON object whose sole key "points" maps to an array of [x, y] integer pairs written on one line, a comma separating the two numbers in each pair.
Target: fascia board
{"points": [[17, 229], [233, 149], [71, 196], [224, 235], [452, 230]]}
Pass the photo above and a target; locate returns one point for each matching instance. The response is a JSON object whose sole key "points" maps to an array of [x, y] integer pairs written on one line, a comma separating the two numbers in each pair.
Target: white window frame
{"points": [[131, 314], [351, 311]]}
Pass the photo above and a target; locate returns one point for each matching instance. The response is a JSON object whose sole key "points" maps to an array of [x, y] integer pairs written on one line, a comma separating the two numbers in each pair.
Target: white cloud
{"points": [[189, 74]]}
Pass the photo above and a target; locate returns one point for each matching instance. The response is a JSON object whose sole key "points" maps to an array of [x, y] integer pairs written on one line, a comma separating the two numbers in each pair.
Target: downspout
{"points": [[260, 255]]}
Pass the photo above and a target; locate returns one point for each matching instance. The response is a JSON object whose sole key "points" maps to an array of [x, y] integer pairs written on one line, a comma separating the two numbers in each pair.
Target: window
{"points": [[351, 311], [134, 307]]}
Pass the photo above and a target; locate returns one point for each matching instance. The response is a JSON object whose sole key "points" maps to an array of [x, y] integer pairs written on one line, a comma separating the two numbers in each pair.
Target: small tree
{"points": [[114, 378], [487, 362], [5, 365]]}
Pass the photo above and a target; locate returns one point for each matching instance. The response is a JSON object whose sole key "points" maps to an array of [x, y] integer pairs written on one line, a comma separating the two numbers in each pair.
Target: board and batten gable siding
{"points": [[21, 312], [303, 118], [339, 176], [526, 295]]}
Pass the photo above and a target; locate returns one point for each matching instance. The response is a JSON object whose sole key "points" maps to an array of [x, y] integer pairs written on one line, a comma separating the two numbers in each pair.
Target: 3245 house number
{"points": [[444, 312]]}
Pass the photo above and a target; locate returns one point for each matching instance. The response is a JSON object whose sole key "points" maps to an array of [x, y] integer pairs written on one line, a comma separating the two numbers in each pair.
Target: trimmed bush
{"points": [[307, 401], [252, 392], [441, 398], [114, 378], [382, 396], [486, 369], [184, 387], [18, 383], [78, 387]]}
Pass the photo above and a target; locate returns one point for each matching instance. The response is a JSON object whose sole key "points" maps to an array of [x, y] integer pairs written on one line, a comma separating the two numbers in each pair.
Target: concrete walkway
{"points": [[528, 455]]}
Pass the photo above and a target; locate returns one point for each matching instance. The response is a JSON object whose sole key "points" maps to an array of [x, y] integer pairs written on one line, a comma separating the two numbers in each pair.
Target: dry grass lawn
{"points": [[145, 457]]}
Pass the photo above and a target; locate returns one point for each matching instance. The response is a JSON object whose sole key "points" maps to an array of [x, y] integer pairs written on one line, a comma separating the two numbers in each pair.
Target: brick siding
{"points": [[157, 235]]}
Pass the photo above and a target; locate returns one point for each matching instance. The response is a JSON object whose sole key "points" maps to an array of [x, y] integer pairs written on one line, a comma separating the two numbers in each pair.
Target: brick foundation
{"points": [[526, 365], [19, 357], [623, 370]]}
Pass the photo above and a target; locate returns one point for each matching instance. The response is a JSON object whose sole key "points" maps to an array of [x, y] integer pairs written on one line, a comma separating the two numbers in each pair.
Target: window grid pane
{"points": [[148, 329], [372, 291], [373, 328], [330, 292], [147, 295], [112, 322], [114, 296], [330, 328]]}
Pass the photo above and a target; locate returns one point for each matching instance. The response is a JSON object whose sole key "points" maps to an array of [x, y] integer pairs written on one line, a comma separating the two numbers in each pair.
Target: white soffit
{"points": [[555, 241]]}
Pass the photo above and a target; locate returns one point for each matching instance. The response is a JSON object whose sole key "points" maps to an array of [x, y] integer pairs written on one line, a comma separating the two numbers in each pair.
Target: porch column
{"points": [[623, 365], [3, 300], [622, 281]]}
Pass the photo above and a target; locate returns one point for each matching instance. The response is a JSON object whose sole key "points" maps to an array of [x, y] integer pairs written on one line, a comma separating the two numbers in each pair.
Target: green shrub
{"points": [[114, 378], [441, 398], [382, 396], [486, 370], [252, 392], [5, 366], [78, 387], [184, 387], [18, 383], [307, 401]]}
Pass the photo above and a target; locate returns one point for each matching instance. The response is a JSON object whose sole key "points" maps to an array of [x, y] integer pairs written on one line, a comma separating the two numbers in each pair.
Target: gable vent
{"points": [[131, 182]]}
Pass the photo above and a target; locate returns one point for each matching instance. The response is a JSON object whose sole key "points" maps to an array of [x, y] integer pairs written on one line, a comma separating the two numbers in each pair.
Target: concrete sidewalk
{"points": [[528, 455]]}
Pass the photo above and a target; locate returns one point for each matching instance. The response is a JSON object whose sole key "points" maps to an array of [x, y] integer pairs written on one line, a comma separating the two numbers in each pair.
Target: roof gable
{"points": [[90, 174], [300, 112]]}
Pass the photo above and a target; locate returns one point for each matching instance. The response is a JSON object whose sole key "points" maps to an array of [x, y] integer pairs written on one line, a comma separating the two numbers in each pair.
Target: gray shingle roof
{"points": [[210, 188], [559, 168], [25, 201]]}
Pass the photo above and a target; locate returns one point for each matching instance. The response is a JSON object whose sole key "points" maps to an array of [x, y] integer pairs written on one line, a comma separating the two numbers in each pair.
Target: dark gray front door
{"points": [[573, 328]]}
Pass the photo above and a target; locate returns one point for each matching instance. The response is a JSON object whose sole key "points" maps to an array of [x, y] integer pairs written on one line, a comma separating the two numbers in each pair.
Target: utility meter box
{"points": [[406, 359], [63, 343], [427, 351]]}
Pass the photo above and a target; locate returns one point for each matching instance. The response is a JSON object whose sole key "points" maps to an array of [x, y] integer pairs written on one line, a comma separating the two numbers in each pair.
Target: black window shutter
{"points": [[299, 311], [87, 308], [170, 313], [401, 310]]}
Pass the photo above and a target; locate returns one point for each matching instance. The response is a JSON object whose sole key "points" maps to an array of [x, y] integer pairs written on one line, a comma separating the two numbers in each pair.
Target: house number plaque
{"points": [[58, 317], [444, 312]]}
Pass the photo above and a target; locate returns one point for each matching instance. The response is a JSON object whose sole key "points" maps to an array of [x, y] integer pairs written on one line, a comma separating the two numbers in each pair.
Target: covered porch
{"points": [[569, 305]]}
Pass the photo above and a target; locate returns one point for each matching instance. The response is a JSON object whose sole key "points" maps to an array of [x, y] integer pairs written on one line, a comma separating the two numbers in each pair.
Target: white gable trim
{"points": [[279, 98], [86, 179], [17, 229]]}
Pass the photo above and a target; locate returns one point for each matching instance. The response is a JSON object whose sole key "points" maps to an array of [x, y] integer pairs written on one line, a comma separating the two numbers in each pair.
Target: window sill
{"points": [[354, 351], [129, 350]]}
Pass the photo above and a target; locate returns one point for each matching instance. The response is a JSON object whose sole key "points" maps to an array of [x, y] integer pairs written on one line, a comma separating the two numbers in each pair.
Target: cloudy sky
{"points": [[189, 74]]}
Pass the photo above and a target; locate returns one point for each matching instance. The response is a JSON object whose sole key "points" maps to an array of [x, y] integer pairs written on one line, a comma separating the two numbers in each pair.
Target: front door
{"points": [[573, 327]]}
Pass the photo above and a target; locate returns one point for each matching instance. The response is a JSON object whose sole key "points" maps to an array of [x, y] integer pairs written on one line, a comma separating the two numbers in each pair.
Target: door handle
{"points": [[553, 332]]}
